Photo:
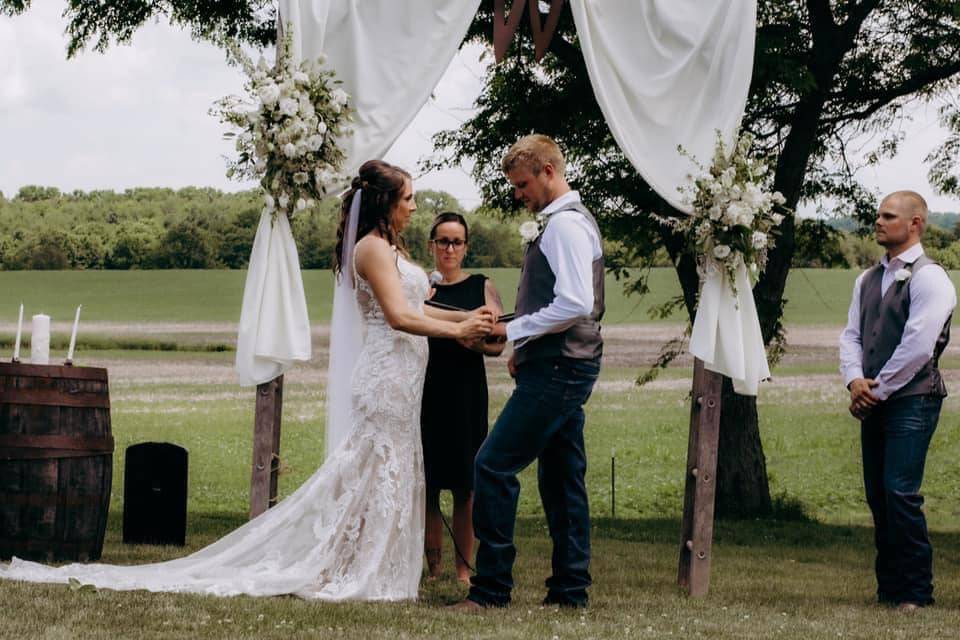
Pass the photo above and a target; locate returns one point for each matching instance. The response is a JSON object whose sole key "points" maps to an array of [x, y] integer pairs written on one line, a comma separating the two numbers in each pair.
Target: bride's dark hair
{"points": [[382, 185]]}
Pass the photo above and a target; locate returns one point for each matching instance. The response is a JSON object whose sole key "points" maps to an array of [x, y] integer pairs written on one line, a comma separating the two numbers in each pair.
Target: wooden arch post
{"points": [[266, 446], [696, 538]]}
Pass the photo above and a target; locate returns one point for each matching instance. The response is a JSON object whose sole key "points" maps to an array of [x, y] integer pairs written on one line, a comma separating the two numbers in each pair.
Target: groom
{"points": [[556, 360]]}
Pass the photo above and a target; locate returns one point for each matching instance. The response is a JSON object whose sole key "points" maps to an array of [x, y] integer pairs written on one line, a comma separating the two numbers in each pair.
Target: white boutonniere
{"points": [[531, 229], [902, 275]]}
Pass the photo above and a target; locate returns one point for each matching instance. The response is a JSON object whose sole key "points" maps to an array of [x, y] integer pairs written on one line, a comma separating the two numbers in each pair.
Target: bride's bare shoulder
{"points": [[372, 252], [371, 245]]}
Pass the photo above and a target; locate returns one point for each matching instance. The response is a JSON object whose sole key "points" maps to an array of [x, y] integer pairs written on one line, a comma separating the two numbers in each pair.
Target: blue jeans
{"points": [[895, 438], [543, 420]]}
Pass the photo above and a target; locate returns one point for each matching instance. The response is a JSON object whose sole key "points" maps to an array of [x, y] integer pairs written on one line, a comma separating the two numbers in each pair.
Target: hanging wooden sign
{"points": [[505, 27]]}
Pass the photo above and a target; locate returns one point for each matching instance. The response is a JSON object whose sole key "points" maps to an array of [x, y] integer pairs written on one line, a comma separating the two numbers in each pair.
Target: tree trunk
{"points": [[742, 487]]}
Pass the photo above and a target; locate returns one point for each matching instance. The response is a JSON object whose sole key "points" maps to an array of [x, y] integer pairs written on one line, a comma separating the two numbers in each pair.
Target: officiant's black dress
{"points": [[454, 415]]}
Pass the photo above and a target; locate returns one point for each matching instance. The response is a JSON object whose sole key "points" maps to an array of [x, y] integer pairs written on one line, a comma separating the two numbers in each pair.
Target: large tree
{"points": [[826, 74], [100, 22]]}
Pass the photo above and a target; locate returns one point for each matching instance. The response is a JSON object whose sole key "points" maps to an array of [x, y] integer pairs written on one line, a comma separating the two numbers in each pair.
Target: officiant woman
{"points": [[454, 414]]}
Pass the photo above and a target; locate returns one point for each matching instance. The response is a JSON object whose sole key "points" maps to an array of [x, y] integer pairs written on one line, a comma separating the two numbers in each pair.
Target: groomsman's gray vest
{"points": [[882, 319], [535, 292]]}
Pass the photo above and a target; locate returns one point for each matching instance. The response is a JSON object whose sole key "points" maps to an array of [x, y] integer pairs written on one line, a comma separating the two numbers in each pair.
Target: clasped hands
{"points": [[481, 325], [862, 400]]}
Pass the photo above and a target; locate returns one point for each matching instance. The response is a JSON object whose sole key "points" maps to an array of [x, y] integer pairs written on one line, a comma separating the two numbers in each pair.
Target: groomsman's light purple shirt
{"points": [[570, 245], [932, 300]]}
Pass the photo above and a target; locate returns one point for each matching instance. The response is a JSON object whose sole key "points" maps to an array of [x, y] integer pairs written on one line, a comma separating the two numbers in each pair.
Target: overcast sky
{"points": [[137, 115]]}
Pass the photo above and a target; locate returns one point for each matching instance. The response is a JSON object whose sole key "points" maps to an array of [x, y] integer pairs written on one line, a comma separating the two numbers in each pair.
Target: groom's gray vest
{"points": [[882, 319], [535, 291]]}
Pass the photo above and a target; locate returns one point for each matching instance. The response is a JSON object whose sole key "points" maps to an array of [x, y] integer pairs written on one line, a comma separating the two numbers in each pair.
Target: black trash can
{"points": [[155, 494]]}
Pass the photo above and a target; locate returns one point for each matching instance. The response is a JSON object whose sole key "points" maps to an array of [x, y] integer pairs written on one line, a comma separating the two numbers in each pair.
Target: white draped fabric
{"points": [[274, 328], [389, 55], [727, 351], [676, 72]]}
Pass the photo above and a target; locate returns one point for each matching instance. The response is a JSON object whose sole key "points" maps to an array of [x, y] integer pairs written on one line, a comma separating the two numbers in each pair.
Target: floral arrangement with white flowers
{"points": [[287, 129], [734, 219]]}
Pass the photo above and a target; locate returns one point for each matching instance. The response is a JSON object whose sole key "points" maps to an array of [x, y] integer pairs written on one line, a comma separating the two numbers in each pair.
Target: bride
{"points": [[354, 530]]}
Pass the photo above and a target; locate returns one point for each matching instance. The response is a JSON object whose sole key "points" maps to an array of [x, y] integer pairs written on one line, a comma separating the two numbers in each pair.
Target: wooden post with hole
{"points": [[696, 538], [266, 446]]}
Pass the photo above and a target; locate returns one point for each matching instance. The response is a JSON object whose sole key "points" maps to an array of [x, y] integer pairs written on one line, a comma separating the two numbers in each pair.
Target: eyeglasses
{"points": [[445, 243]]}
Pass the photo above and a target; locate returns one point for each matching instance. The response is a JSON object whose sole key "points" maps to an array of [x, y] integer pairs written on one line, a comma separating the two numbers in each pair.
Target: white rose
{"points": [[314, 142], [301, 77], [260, 165], [776, 218], [715, 212], [745, 218], [759, 240], [283, 201], [269, 94], [529, 231], [290, 150], [321, 127], [301, 177], [726, 178], [721, 251], [734, 213], [778, 197], [289, 107], [339, 97], [902, 274]]}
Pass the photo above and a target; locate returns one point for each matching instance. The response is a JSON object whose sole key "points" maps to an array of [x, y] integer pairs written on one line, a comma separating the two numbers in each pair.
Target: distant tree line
{"points": [[845, 242], [201, 228]]}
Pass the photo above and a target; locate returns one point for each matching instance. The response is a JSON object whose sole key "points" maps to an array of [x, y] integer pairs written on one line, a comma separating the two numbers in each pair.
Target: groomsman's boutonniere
{"points": [[531, 229], [902, 275]]}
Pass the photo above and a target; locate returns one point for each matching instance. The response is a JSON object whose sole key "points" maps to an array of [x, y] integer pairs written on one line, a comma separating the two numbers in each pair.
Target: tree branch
{"points": [[858, 13], [881, 99]]}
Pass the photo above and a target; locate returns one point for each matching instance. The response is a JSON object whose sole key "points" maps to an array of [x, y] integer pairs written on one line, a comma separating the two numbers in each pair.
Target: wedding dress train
{"points": [[353, 531]]}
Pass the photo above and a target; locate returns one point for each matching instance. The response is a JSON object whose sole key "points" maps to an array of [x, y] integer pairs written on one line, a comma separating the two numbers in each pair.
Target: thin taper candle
{"points": [[16, 342], [73, 335]]}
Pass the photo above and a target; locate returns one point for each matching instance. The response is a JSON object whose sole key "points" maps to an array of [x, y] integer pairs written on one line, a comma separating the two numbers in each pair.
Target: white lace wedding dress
{"points": [[353, 531]]}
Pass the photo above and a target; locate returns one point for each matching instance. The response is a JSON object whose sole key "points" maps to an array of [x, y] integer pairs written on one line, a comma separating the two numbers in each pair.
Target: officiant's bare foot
{"points": [[464, 578], [467, 606]]}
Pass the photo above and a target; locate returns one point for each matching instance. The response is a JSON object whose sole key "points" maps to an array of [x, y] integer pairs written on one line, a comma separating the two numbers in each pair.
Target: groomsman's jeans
{"points": [[543, 419], [895, 439]]}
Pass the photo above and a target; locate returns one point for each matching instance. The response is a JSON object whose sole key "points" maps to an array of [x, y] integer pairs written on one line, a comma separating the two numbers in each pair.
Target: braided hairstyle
{"points": [[382, 185]]}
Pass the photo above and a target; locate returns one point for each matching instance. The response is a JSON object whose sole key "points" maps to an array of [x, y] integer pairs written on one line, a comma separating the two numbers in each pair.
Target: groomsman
{"points": [[556, 361], [897, 327]]}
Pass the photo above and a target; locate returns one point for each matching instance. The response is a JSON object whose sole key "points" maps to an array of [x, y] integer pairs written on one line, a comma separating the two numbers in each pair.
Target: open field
{"points": [[185, 297], [786, 578]]}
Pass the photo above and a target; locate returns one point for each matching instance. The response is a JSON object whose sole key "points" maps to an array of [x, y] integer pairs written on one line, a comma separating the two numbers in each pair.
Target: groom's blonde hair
{"points": [[532, 152]]}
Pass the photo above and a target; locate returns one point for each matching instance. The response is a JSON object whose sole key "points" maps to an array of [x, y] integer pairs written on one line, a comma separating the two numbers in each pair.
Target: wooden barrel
{"points": [[56, 461]]}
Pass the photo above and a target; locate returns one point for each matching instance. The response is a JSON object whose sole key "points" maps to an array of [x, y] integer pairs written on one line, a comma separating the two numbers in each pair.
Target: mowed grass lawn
{"points": [[814, 296], [782, 578]]}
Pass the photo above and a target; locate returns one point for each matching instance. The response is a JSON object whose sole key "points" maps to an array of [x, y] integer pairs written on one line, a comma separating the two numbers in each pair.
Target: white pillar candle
{"points": [[16, 342], [73, 335], [40, 340]]}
